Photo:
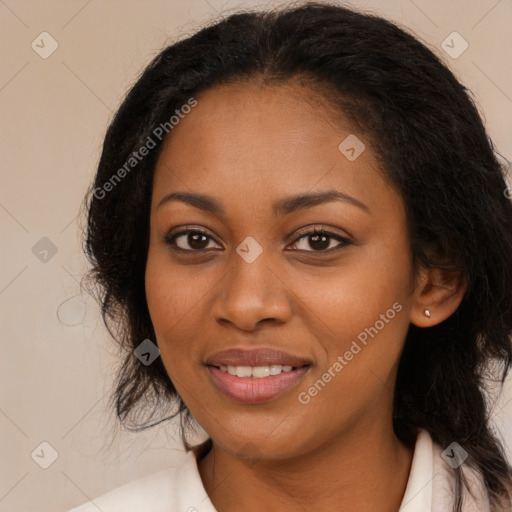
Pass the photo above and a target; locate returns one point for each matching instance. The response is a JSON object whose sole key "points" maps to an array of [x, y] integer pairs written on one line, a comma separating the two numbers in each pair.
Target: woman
{"points": [[302, 210]]}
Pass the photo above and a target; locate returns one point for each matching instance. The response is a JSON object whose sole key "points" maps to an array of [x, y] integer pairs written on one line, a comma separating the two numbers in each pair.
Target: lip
{"points": [[246, 390], [255, 357]]}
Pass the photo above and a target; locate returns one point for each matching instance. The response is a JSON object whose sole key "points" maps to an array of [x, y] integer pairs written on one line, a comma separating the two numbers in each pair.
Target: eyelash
{"points": [[303, 233]]}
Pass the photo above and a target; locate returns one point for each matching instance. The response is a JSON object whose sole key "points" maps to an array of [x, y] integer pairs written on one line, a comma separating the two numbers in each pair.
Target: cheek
{"points": [[160, 295], [171, 301], [360, 313], [171, 291], [351, 297]]}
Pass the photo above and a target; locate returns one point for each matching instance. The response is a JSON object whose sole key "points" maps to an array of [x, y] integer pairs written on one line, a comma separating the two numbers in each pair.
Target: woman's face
{"points": [[337, 303]]}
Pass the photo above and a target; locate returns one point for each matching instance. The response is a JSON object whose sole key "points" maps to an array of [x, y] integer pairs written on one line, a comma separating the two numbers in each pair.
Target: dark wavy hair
{"points": [[432, 145]]}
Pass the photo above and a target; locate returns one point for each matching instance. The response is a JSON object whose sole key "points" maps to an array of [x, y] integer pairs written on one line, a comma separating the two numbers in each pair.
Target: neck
{"points": [[355, 472]]}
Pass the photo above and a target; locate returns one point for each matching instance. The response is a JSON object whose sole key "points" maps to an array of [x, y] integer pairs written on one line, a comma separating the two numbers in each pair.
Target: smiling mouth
{"points": [[258, 372], [251, 385]]}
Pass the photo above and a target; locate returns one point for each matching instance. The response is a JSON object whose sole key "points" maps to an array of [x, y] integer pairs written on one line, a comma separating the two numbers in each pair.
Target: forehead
{"points": [[248, 139], [237, 120]]}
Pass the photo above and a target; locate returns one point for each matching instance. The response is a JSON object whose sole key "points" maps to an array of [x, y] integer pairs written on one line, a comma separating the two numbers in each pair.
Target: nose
{"points": [[251, 293]]}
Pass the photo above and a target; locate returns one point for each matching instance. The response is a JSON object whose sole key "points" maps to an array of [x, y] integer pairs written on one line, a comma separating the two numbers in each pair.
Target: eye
{"points": [[195, 238], [320, 240], [198, 240]]}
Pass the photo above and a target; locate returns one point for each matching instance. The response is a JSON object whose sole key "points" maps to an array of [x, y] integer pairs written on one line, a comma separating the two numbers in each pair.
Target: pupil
{"points": [[193, 240], [315, 239]]}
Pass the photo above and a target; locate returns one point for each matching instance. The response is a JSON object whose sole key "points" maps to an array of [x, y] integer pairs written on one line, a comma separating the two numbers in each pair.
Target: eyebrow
{"points": [[282, 207]]}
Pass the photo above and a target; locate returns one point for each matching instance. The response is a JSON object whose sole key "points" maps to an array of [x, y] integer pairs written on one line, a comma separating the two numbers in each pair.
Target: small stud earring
{"points": [[427, 313]]}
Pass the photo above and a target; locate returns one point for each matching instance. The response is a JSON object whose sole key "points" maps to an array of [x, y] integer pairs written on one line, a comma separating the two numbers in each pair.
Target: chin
{"points": [[260, 447]]}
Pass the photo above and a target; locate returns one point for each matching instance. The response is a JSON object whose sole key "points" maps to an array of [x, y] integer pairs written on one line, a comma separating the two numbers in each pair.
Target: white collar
{"points": [[430, 487], [418, 493]]}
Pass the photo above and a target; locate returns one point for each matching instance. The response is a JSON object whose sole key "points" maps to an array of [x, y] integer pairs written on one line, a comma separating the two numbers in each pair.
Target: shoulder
{"points": [[445, 460], [433, 479], [158, 492], [150, 490]]}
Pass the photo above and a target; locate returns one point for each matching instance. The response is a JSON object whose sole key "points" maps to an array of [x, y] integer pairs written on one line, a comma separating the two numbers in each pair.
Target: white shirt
{"points": [[430, 488]]}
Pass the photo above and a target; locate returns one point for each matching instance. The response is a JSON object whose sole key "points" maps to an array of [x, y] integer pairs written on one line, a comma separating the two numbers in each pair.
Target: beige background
{"points": [[57, 360]]}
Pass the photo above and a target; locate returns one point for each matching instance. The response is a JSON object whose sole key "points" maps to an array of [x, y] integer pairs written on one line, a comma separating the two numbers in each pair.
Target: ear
{"points": [[438, 291]]}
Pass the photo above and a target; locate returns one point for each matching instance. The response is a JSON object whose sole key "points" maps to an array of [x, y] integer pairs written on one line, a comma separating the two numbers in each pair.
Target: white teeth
{"points": [[275, 369], [256, 372], [243, 371]]}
